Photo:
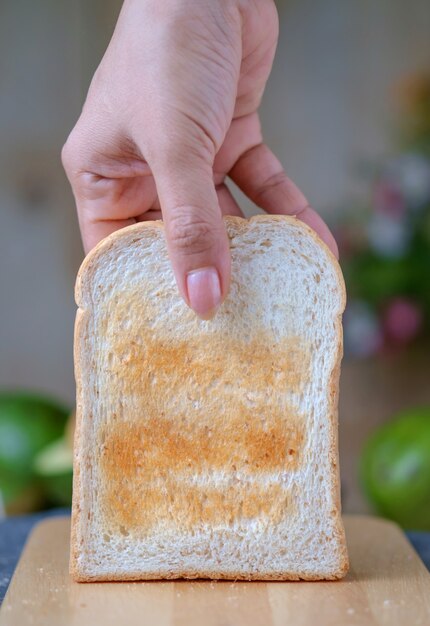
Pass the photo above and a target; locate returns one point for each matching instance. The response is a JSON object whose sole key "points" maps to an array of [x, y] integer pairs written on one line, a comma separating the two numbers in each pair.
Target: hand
{"points": [[171, 111]]}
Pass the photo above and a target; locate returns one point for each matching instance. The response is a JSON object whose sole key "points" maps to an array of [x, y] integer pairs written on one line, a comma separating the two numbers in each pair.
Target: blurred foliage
{"points": [[377, 278], [29, 423], [385, 246], [414, 97]]}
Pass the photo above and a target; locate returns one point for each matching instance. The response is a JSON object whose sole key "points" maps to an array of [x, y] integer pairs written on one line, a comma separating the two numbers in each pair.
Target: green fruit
{"points": [[54, 467], [28, 422], [395, 469]]}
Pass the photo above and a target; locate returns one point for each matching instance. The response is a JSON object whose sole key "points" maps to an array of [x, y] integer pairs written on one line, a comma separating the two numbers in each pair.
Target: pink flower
{"points": [[389, 199], [402, 320]]}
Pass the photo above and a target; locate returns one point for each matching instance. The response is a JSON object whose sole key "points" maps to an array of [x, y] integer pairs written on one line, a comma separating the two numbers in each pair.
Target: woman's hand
{"points": [[171, 111]]}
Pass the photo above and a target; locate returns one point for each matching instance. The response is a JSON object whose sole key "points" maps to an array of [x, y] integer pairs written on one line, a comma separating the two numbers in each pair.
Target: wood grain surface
{"points": [[388, 584]]}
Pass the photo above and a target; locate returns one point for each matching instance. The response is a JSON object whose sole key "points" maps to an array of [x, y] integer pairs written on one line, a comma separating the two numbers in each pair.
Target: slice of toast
{"points": [[209, 448]]}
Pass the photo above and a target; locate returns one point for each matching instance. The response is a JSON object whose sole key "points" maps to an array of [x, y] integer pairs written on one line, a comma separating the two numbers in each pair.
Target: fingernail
{"points": [[204, 291]]}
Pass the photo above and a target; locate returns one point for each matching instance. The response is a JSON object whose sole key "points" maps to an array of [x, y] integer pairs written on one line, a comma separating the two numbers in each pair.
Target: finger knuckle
{"points": [[277, 182], [70, 152], [66, 156], [279, 179], [190, 233]]}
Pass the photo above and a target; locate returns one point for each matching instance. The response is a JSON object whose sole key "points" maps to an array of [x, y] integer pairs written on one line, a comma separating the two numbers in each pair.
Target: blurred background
{"points": [[347, 110]]}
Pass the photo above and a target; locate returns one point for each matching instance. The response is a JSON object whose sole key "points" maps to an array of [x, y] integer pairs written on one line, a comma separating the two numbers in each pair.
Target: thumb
{"points": [[196, 236]]}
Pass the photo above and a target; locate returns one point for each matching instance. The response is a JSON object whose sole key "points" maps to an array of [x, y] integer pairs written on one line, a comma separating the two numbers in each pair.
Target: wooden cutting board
{"points": [[388, 584]]}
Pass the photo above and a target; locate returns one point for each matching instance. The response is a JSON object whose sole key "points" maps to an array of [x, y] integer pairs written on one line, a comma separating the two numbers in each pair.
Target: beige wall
{"points": [[48, 51], [328, 104]]}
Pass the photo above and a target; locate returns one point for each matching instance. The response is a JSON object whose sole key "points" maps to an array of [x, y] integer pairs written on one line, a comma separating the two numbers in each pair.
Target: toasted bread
{"points": [[209, 448]]}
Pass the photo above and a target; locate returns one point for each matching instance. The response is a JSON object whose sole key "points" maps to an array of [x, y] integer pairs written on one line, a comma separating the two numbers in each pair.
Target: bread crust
{"points": [[84, 278], [206, 574]]}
